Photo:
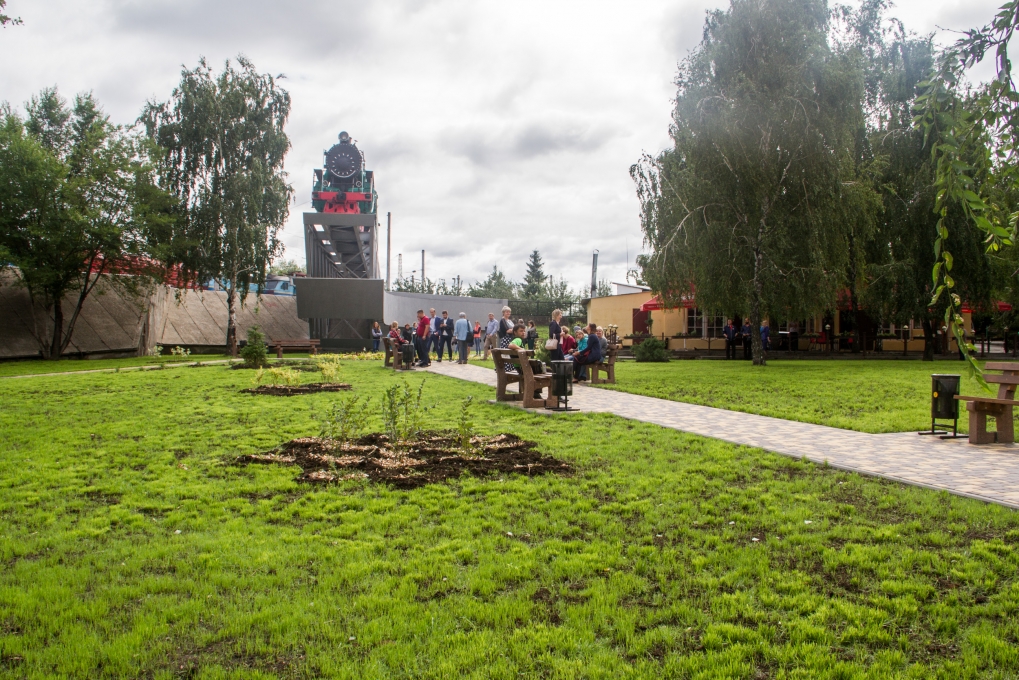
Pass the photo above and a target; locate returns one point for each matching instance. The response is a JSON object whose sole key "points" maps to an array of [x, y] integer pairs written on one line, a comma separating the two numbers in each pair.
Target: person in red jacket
{"points": [[423, 338]]}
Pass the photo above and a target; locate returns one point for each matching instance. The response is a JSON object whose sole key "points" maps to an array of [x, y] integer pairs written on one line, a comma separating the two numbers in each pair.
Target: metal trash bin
{"points": [[944, 405], [562, 385], [407, 352]]}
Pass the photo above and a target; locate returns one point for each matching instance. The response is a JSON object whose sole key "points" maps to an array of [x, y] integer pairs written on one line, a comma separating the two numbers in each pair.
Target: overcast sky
{"points": [[493, 128]]}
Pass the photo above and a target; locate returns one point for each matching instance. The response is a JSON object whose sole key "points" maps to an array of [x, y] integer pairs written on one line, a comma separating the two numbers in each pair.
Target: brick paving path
{"points": [[988, 473]]}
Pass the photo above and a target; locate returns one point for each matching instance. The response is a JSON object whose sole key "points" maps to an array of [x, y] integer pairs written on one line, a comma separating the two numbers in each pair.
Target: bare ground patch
{"points": [[431, 457], [292, 390]]}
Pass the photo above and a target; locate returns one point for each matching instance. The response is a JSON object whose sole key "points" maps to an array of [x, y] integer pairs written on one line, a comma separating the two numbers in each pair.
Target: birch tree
{"points": [[223, 144]]}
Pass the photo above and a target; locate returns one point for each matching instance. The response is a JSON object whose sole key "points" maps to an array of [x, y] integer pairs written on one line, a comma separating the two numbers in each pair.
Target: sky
{"points": [[493, 128]]}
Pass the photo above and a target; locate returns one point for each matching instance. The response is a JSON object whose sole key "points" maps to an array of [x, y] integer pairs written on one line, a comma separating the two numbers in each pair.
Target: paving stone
{"points": [[989, 473]]}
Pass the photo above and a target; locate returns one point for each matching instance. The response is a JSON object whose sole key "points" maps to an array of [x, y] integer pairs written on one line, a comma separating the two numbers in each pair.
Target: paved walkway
{"points": [[988, 473]]}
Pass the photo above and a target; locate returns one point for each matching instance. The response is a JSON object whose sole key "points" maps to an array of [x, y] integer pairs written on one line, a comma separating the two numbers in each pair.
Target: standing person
{"points": [[590, 354], [555, 333], [506, 327], [532, 335], [434, 337], [424, 335], [446, 335], [462, 331], [731, 335], [376, 336], [477, 338], [746, 338], [765, 334], [491, 335]]}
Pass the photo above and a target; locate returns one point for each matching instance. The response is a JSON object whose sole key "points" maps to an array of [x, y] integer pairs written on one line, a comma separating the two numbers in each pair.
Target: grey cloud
{"points": [[324, 28], [526, 142]]}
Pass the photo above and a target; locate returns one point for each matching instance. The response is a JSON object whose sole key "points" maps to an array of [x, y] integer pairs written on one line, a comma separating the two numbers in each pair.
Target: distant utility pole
{"points": [[399, 267], [423, 267], [389, 244], [594, 274]]}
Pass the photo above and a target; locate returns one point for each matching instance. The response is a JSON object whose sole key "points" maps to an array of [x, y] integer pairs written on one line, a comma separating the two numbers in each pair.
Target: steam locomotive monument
{"points": [[342, 292]]}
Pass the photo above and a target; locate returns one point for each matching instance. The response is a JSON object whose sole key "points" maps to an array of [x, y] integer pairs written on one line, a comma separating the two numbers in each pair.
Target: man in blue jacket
{"points": [[462, 331], [731, 335]]}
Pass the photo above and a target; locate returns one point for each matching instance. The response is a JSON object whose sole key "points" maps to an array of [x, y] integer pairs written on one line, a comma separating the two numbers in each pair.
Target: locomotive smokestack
{"points": [[594, 275]]}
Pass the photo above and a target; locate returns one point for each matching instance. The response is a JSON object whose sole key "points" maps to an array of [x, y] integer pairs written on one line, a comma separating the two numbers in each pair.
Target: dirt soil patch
{"points": [[291, 390], [432, 457]]}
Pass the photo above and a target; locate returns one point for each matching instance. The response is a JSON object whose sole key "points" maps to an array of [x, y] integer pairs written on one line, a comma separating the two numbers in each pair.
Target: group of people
{"points": [[735, 336], [437, 333]]}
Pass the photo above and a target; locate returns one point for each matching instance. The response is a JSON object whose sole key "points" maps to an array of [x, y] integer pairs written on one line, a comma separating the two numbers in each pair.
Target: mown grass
{"points": [[40, 366], [642, 564], [864, 395]]}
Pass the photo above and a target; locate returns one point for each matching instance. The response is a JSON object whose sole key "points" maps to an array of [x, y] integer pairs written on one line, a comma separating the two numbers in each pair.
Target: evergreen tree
{"points": [[534, 277]]}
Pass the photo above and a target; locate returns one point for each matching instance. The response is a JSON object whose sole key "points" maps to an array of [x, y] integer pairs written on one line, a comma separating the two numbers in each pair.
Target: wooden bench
{"points": [[999, 408], [528, 382], [608, 367], [310, 346], [394, 357]]}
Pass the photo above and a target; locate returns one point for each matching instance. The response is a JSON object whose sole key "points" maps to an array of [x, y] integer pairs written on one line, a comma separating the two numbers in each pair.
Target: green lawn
{"points": [[864, 395], [39, 366], [132, 546]]}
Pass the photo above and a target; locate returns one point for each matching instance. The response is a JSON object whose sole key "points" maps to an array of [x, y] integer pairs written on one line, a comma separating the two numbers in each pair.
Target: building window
{"points": [[694, 322], [715, 326]]}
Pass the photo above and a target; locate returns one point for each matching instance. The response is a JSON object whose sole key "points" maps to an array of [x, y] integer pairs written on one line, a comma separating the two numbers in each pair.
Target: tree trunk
{"points": [[231, 321], [929, 338], [756, 347], [58, 329], [854, 304]]}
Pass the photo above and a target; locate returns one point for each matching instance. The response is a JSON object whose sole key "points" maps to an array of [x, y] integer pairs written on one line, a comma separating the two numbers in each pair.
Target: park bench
{"points": [[310, 346], [394, 356], [528, 382], [999, 408], [608, 367]]}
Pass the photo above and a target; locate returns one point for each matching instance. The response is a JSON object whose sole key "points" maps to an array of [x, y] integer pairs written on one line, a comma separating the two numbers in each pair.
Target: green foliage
{"points": [[329, 364], [254, 353], [766, 122], [495, 286], [652, 349], [223, 147], [278, 375], [180, 353], [347, 418], [6, 19], [628, 568], [286, 268], [534, 278], [603, 289], [558, 292], [402, 413], [77, 203]]}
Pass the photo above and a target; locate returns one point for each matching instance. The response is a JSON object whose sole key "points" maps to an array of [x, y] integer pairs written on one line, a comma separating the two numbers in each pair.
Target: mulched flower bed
{"points": [[432, 457], [291, 390]]}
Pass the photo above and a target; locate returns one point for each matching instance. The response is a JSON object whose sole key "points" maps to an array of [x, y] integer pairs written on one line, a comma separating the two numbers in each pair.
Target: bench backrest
{"points": [[1007, 381], [519, 359], [297, 343]]}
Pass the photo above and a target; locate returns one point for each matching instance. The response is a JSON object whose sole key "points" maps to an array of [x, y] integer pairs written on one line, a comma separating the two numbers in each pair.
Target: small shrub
{"points": [[278, 376], [346, 419], [465, 428], [329, 364], [179, 351], [651, 349], [156, 351], [254, 352], [401, 412]]}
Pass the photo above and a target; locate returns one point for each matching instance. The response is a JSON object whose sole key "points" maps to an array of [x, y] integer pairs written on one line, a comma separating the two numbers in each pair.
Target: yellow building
{"points": [[687, 328]]}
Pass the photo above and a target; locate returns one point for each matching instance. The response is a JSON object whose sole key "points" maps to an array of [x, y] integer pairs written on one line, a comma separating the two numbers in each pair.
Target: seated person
{"points": [[408, 333], [590, 353], [395, 337], [567, 344], [519, 343]]}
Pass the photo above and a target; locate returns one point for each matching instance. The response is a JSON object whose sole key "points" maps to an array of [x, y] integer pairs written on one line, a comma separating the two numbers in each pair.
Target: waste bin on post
{"points": [[562, 385], [944, 405], [407, 351]]}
